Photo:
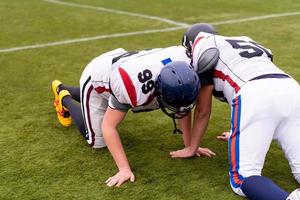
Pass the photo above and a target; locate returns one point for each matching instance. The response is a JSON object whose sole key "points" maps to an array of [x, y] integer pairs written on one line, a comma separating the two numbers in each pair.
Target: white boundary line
{"points": [[99, 37], [255, 18], [116, 35], [102, 9]]}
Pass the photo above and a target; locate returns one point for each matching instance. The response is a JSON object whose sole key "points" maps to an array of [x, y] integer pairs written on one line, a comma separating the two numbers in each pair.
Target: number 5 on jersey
{"points": [[252, 49]]}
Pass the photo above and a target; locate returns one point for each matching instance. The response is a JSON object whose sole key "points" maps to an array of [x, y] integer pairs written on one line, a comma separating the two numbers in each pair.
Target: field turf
{"points": [[39, 159]]}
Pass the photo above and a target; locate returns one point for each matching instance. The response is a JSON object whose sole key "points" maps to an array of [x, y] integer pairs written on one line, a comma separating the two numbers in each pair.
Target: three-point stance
{"points": [[117, 81], [265, 105]]}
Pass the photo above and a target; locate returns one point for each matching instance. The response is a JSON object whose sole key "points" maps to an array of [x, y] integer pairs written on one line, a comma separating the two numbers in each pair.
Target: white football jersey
{"points": [[240, 60], [133, 75]]}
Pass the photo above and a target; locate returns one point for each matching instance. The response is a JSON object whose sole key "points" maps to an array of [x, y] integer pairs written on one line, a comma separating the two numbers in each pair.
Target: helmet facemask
{"points": [[187, 44], [176, 113]]}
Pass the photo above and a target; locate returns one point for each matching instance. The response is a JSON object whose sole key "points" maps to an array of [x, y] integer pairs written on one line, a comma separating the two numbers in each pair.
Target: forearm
{"points": [[199, 131], [185, 127], [201, 116], [114, 145], [111, 120]]}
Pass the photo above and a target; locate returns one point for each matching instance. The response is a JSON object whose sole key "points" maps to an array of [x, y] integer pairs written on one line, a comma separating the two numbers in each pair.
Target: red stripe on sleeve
{"points": [[129, 86], [195, 43]]}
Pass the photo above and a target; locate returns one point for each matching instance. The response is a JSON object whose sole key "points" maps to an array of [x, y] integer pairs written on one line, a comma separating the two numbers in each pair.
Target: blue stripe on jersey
{"points": [[166, 61]]}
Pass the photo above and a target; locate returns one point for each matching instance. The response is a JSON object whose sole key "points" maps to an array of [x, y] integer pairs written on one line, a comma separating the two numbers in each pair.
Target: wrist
{"points": [[126, 168], [192, 149]]}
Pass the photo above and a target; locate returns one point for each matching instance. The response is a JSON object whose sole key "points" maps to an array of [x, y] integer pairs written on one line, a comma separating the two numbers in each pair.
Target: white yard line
{"points": [[99, 37], [234, 21], [116, 35], [102, 9]]}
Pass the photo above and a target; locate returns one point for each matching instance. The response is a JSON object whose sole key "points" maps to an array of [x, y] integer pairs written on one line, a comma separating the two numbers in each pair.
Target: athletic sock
{"points": [[74, 91], [75, 112], [262, 188]]}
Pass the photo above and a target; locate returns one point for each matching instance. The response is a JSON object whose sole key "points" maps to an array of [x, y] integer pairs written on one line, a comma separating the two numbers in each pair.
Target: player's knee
{"points": [[99, 142], [237, 190], [95, 139]]}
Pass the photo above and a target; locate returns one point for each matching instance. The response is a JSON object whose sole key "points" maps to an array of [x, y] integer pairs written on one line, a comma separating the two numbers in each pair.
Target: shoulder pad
{"points": [[208, 60]]}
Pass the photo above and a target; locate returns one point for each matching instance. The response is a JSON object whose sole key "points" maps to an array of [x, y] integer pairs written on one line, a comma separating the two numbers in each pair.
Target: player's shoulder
{"points": [[243, 38], [112, 53], [175, 53], [174, 48], [204, 37]]}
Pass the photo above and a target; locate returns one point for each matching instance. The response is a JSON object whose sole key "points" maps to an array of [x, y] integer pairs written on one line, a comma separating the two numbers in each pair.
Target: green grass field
{"points": [[42, 160]]}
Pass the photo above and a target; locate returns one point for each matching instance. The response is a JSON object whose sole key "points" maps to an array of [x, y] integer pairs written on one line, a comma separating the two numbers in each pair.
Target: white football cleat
{"points": [[295, 195]]}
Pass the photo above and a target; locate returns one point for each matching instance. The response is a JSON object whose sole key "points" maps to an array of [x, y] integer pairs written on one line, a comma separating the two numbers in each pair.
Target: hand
{"points": [[205, 152], [183, 153], [224, 136], [123, 175]]}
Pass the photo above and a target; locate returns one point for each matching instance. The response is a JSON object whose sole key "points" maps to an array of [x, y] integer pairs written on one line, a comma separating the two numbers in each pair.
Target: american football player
{"points": [[117, 81], [264, 103]]}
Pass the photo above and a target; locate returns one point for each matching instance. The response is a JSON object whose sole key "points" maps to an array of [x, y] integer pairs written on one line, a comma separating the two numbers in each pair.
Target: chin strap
{"points": [[176, 130]]}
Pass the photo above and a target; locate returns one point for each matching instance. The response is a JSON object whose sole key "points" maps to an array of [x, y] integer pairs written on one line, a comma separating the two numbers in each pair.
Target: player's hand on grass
{"points": [[205, 152], [122, 176], [183, 153], [224, 136]]}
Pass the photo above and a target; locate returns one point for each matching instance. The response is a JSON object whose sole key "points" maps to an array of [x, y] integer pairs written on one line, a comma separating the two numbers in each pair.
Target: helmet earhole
{"points": [[179, 82], [173, 72]]}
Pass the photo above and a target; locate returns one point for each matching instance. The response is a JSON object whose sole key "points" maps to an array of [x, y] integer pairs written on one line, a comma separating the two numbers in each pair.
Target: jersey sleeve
{"points": [[202, 47], [207, 78], [115, 104]]}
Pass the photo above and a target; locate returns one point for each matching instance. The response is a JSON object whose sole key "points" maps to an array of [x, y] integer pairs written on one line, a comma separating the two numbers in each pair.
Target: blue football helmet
{"points": [[191, 34], [177, 88]]}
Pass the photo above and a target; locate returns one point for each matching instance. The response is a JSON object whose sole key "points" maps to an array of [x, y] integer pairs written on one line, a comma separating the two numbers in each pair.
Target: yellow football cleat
{"points": [[54, 87], [63, 113]]}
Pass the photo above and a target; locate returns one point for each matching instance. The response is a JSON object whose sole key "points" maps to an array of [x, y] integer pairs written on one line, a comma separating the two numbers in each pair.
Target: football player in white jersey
{"points": [[117, 81], [265, 105]]}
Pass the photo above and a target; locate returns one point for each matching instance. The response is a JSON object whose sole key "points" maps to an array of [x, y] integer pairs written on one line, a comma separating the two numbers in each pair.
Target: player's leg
{"points": [[289, 139], [254, 120], [262, 188], [93, 108], [74, 109], [57, 86], [249, 142], [288, 132], [95, 102], [67, 108], [74, 91], [248, 145], [63, 114]]}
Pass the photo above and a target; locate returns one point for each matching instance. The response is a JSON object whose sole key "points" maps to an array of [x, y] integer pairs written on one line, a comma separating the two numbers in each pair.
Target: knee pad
{"points": [[99, 143]]}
